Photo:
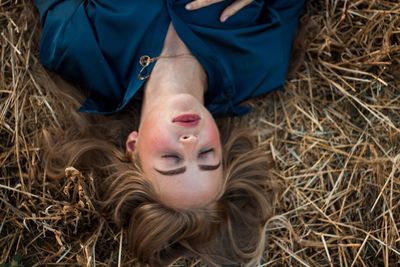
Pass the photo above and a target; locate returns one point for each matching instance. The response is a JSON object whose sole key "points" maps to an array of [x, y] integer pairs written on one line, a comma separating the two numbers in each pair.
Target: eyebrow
{"points": [[172, 172], [209, 167], [183, 169]]}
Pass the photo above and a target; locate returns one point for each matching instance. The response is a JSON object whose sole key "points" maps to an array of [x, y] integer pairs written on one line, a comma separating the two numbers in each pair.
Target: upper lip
{"points": [[187, 120]]}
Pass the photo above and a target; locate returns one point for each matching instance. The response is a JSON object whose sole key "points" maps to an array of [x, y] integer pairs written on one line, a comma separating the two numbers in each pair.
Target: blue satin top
{"points": [[98, 44]]}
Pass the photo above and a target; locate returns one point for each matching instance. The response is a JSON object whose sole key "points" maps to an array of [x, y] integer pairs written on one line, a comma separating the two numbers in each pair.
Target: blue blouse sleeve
{"points": [[55, 15], [69, 47]]}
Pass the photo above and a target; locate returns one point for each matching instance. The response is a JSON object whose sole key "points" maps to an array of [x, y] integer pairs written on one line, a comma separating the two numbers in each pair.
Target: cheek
{"points": [[151, 146], [213, 133], [160, 141], [157, 140]]}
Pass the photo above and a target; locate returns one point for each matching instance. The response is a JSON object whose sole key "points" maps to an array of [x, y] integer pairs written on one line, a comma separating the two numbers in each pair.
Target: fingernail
{"points": [[223, 19], [189, 7]]}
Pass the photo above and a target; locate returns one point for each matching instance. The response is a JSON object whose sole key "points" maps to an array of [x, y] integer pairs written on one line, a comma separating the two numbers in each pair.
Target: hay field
{"points": [[334, 135]]}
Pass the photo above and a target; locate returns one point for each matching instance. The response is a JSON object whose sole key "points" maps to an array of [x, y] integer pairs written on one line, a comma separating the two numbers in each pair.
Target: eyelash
{"points": [[171, 156], [178, 158], [205, 152]]}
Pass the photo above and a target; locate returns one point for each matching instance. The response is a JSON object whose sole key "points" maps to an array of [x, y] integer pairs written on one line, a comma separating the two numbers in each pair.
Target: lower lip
{"points": [[187, 120]]}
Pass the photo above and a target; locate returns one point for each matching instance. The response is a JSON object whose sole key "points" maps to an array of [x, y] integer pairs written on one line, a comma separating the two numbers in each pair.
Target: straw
{"points": [[334, 134]]}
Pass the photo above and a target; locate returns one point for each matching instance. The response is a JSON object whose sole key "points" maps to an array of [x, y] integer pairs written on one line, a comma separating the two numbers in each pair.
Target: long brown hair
{"points": [[227, 232]]}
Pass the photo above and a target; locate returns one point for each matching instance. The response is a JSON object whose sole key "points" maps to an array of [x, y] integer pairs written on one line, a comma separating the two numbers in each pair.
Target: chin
{"points": [[187, 103]]}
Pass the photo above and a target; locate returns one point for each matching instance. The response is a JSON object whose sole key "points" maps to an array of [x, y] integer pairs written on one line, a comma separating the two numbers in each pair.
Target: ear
{"points": [[130, 144]]}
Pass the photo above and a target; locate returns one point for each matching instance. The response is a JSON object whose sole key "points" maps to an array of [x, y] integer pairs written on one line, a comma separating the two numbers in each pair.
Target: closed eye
{"points": [[174, 157], [206, 152]]}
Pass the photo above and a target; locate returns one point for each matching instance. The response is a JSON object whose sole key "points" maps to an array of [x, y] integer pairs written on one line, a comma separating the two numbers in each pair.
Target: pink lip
{"points": [[187, 120]]}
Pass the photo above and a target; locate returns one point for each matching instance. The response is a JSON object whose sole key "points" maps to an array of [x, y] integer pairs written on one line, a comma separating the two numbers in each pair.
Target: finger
{"points": [[196, 4], [234, 8]]}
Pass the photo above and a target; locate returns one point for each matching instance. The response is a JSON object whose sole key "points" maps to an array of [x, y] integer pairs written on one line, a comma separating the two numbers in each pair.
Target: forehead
{"points": [[194, 188]]}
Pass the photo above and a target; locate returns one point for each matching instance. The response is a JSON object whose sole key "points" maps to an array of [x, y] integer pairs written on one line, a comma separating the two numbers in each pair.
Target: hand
{"points": [[229, 11]]}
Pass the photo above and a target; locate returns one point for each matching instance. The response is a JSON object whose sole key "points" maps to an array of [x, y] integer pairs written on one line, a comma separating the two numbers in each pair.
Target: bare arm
{"points": [[228, 12]]}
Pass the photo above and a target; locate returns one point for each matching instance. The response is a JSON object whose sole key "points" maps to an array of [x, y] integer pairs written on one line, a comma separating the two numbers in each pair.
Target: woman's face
{"points": [[180, 152]]}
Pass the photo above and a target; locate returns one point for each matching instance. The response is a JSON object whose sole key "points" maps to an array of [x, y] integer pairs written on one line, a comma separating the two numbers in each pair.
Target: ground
{"points": [[334, 134]]}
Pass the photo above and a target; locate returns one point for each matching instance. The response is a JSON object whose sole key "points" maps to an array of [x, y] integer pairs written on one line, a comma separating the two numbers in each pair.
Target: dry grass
{"points": [[334, 135]]}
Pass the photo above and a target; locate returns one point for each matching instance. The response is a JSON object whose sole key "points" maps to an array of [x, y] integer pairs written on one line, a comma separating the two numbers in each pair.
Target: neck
{"points": [[179, 75], [174, 75]]}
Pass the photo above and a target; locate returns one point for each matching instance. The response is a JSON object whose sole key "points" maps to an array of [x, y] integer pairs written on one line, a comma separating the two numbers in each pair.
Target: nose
{"points": [[189, 139]]}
